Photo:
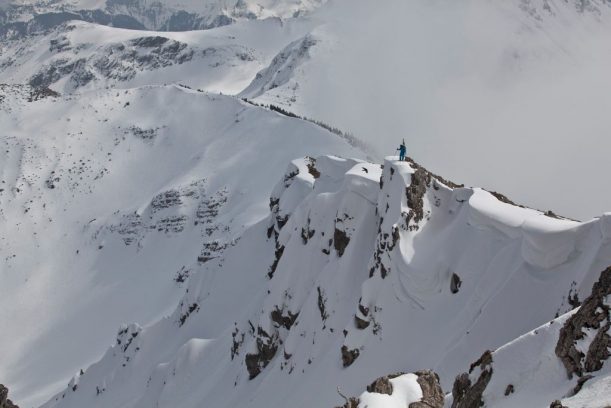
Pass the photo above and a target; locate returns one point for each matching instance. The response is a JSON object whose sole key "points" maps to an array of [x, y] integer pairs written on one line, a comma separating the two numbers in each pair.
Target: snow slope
{"points": [[81, 56], [109, 200], [358, 271]]}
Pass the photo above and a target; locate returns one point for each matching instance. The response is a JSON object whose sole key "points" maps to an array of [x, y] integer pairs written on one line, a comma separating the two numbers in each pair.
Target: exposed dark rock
{"points": [[281, 221], [149, 42], [77, 69], [593, 315], [340, 241], [395, 238], [349, 356], [598, 352], [360, 323], [272, 269], [415, 192], [433, 175], [383, 385], [322, 308], [467, 394], [364, 310], [116, 61], [509, 390], [267, 346], [41, 92], [211, 250], [144, 134], [580, 383], [311, 163], [4, 401], [194, 307], [273, 204], [432, 393], [307, 233], [504, 199], [290, 177], [238, 340], [573, 297], [167, 199], [172, 224], [182, 275], [483, 362], [556, 404], [551, 214], [350, 402], [455, 284], [281, 320]]}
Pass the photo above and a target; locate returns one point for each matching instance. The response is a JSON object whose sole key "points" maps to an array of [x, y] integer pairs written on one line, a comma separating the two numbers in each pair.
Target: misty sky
{"points": [[483, 94]]}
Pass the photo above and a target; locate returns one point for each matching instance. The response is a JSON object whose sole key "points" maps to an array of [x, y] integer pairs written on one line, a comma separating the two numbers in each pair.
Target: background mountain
{"points": [[22, 17], [157, 250]]}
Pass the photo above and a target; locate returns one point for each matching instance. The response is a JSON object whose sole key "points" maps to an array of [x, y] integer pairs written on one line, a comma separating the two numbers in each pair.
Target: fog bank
{"points": [[484, 92]]}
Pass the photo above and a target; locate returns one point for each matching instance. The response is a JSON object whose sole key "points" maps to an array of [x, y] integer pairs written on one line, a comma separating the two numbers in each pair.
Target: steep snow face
{"points": [[565, 359], [359, 270], [79, 56], [110, 200], [281, 73], [22, 17]]}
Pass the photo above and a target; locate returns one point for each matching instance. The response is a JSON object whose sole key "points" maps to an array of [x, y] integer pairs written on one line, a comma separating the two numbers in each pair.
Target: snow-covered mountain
{"points": [[111, 199], [360, 270], [158, 252], [22, 17], [79, 56]]}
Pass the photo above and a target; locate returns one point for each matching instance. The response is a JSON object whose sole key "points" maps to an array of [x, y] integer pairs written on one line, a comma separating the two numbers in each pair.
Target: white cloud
{"points": [[481, 92]]}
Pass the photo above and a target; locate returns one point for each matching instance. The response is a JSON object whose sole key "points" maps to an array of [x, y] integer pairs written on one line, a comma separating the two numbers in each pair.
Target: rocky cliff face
{"points": [[4, 401]]}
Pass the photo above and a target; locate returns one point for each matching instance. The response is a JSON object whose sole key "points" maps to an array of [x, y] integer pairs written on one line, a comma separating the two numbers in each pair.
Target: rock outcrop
{"points": [[432, 394], [592, 320], [468, 393], [4, 401]]}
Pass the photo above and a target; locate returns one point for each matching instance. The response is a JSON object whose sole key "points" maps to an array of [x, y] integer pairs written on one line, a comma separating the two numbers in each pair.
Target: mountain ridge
{"points": [[351, 297]]}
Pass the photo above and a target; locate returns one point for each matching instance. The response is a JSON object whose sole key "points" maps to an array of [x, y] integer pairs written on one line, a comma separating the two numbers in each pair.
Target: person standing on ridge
{"points": [[402, 150]]}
